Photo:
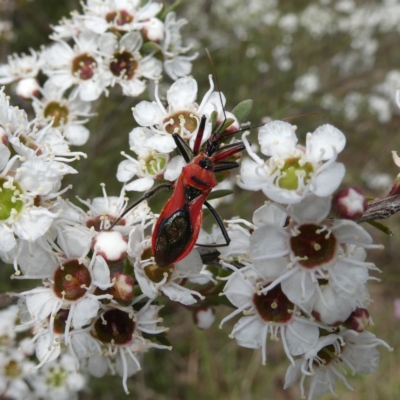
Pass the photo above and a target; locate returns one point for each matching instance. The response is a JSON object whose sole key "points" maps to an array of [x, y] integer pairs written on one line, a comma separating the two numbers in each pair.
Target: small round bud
{"points": [[122, 290], [111, 245], [27, 88], [349, 203], [153, 30], [204, 317], [359, 320]]}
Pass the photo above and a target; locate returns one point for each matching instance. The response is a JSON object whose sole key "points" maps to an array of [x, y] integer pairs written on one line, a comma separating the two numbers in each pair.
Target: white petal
{"points": [[44, 348], [162, 144], [33, 224], [101, 273], [4, 156], [7, 242], [252, 175], [191, 264], [238, 291], [133, 87], [97, 366], [309, 333], [90, 90], [350, 232], [140, 185], [174, 168], [150, 10], [126, 170], [40, 305], [325, 141], [268, 241], [180, 294], [293, 373], [108, 43], [214, 103], [76, 241], [269, 214], [147, 114], [85, 310], [328, 180], [277, 138], [293, 287], [131, 41], [271, 269], [311, 209], [182, 94], [251, 336], [76, 135]]}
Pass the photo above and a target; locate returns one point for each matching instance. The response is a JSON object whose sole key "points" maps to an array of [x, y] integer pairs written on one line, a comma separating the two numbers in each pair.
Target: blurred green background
{"points": [[257, 55]]}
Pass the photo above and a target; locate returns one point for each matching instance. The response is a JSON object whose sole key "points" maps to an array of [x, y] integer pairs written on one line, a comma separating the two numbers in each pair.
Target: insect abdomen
{"points": [[173, 236]]}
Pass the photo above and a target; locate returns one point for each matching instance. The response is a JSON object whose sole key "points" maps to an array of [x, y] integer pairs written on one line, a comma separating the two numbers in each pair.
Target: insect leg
{"points": [[224, 166], [183, 147], [147, 195], [221, 226]]}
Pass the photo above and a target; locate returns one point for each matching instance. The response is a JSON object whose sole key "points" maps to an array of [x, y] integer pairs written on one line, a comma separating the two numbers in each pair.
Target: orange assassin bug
{"points": [[178, 226]]}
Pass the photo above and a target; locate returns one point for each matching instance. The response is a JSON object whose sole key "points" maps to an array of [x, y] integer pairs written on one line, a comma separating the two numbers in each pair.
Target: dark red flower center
{"points": [[58, 112], [115, 326], [71, 280], [314, 246], [123, 65], [83, 66], [120, 17], [274, 306]]}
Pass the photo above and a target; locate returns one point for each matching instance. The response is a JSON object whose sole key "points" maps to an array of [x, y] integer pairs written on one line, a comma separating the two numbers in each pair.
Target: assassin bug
{"points": [[178, 226]]}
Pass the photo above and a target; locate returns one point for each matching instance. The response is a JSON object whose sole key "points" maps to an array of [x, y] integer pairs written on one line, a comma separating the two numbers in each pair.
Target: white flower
{"points": [[121, 15], [155, 280], [126, 65], [326, 363], [182, 115], [64, 113], [79, 65], [176, 65], [271, 313], [310, 250], [291, 171], [20, 67]]}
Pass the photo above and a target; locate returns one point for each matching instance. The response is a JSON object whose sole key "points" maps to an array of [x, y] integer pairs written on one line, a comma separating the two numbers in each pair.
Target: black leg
{"points": [[225, 166], [143, 198], [183, 148], [220, 224]]}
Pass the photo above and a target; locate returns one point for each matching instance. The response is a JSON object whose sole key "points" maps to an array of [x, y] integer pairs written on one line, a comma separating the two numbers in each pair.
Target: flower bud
{"points": [[154, 30], [122, 291], [27, 88], [111, 245], [204, 317], [359, 320], [349, 203]]}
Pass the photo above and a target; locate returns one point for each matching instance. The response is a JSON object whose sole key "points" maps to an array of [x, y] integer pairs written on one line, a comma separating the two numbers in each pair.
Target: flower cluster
{"points": [[110, 43], [296, 274], [20, 377]]}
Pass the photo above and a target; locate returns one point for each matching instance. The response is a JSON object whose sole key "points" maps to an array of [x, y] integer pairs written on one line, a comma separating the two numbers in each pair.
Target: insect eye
{"points": [[205, 163]]}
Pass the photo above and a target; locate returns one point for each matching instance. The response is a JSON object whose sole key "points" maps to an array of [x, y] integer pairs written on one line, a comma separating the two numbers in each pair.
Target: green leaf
{"points": [[149, 47], [241, 111], [213, 119], [163, 13], [226, 125], [217, 194]]}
